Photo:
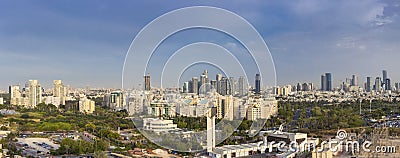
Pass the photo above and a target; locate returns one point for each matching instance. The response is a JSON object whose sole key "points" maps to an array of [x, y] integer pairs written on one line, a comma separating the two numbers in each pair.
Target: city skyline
{"points": [[324, 84], [212, 79], [86, 46]]}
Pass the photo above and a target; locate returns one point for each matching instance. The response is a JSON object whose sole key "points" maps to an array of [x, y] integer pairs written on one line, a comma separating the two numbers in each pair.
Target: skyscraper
{"points": [[384, 75], [218, 77], [328, 81], [354, 80], [323, 82], [190, 86], [60, 91], [15, 95], [232, 87], [298, 86], [241, 87], [213, 84], [147, 83], [34, 93], [378, 84], [385, 78], [186, 87], [388, 85], [224, 86], [368, 85], [195, 85], [258, 84], [203, 86]]}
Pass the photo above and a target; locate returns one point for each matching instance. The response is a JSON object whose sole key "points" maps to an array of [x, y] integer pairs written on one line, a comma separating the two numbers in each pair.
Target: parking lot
{"points": [[39, 144]]}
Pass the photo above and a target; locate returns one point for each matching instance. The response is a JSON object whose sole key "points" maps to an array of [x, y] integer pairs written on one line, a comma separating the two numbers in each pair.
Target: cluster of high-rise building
{"points": [[231, 99], [326, 82], [350, 84], [30, 96], [221, 84], [349, 90], [380, 84], [33, 94]]}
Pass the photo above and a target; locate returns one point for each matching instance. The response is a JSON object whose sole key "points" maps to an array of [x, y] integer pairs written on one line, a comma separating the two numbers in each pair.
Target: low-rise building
{"points": [[158, 125]]}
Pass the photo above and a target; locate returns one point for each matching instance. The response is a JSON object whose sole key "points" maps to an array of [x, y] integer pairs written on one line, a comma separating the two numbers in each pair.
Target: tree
{"points": [[90, 127], [99, 154], [3, 128]]}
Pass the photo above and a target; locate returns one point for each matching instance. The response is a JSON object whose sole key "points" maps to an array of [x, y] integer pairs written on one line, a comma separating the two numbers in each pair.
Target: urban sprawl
{"points": [[300, 120]]}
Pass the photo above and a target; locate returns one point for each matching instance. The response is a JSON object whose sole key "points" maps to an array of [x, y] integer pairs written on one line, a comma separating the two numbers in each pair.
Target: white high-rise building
{"points": [[59, 90], [16, 95], [34, 93]]}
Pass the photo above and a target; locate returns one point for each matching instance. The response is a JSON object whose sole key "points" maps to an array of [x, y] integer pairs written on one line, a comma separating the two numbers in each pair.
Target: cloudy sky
{"points": [[84, 43]]}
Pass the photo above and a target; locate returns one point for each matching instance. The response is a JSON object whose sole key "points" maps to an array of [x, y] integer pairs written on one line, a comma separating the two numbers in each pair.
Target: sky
{"points": [[84, 43]]}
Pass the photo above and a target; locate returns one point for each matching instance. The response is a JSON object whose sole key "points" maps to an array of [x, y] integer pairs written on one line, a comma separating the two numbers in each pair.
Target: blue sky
{"points": [[84, 42]]}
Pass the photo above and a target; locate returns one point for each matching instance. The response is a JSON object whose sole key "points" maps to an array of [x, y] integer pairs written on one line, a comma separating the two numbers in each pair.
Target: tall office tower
{"points": [[388, 85], [378, 84], [15, 95], [368, 85], [354, 80], [224, 86], [258, 84], [213, 84], [34, 93], [241, 86], [328, 81], [59, 90], [323, 83], [384, 76], [204, 87], [195, 85], [147, 83], [298, 87], [190, 86], [202, 84], [185, 88], [232, 87], [218, 77], [305, 87]]}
